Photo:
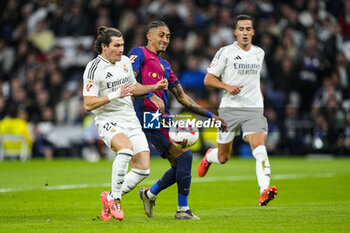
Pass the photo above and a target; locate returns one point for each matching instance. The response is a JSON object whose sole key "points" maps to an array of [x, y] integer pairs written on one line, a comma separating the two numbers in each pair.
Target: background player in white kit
{"points": [[236, 69], [108, 84]]}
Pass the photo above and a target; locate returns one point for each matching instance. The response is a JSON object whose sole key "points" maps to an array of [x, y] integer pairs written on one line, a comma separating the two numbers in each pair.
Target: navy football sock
{"points": [[183, 177], [168, 179]]}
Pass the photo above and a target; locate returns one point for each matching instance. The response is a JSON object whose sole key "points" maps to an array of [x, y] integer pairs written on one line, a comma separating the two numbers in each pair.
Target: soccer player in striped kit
{"points": [[149, 68], [236, 70]]}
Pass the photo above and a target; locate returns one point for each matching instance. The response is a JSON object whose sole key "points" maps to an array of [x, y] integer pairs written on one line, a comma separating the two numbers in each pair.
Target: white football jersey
{"points": [[235, 66], [101, 78]]}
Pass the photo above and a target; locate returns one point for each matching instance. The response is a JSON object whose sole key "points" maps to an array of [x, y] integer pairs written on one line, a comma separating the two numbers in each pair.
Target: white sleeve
{"points": [[91, 79], [262, 55], [218, 63]]}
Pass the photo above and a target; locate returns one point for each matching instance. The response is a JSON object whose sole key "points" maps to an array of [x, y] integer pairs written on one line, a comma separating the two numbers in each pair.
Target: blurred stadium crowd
{"points": [[45, 45]]}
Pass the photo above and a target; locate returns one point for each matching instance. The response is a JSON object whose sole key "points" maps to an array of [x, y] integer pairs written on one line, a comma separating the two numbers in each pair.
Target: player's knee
{"points": [[186, 156], [143, 167]]}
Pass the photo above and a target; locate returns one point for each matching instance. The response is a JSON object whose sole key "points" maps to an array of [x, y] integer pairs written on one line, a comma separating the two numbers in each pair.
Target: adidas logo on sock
{"points": [[237, 58]]}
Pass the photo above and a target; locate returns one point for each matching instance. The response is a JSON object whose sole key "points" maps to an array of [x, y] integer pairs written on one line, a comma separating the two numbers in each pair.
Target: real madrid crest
{"points": [[125, 68], [257, 57]]}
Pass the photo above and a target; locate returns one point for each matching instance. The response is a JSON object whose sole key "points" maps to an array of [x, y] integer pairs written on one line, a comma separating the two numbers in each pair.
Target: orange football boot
{"points": [[267, 195], [204, 165], [105, 214], [116, 209]]}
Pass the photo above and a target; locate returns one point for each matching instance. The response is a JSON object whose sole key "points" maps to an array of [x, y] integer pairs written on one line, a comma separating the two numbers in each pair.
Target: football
{"points": [[183, 134]]}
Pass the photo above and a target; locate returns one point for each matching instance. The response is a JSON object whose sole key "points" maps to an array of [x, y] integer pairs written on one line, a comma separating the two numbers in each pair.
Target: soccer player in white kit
{"points": [[109, 83], [236, 70]]}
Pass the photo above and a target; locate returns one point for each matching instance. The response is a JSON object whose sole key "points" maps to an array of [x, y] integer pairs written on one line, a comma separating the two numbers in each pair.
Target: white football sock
{"points": [[119, 169], [263, 171], [133, 178], [150, 195], [182, 208], [212, 156]]}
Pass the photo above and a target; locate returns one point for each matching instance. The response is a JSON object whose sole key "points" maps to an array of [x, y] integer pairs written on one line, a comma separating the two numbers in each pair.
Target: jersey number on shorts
{"points": [[109, 125]]}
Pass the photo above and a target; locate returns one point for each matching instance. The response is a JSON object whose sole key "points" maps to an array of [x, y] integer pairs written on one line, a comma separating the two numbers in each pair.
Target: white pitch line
{"points": [[194, 180]]}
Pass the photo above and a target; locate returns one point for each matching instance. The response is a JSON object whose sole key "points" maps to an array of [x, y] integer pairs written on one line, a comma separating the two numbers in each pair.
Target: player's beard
{"points": [[162, 47]]}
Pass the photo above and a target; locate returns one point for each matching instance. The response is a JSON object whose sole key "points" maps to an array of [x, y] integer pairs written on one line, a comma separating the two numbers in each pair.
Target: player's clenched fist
{"points": [[234, 89], [162, 84], [123, 91]]}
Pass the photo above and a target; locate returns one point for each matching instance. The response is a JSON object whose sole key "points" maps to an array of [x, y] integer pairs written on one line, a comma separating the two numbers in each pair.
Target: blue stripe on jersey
{"points": [[137, 63], [166, 67], [167, 70], [172, 85], [139, 107], [139, 104], [165, 100]]}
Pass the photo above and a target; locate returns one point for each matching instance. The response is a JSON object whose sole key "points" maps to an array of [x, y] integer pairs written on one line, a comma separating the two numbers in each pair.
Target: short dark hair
{"points": [[155, 24], [104, 36], [243, 17]]}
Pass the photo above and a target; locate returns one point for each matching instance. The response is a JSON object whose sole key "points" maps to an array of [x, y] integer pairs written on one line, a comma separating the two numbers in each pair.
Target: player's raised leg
{"points": [[140, 163], [267, 195], [219, 155]]}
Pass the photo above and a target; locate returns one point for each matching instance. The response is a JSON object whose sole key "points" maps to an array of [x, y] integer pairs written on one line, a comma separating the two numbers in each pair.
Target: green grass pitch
{"points": [[63, 196]]}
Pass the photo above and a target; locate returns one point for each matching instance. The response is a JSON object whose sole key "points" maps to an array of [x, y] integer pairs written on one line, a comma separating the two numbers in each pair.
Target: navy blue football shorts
{"points": [[159, 138]]}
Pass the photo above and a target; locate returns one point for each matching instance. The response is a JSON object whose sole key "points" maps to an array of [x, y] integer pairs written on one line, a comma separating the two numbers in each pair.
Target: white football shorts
{"points": [[107, 130], [251, 120]]}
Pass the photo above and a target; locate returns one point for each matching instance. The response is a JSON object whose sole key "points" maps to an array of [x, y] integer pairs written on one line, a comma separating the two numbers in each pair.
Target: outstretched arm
{"points": [[188, 102], [145, 89], [93, 102], [145, 92]]}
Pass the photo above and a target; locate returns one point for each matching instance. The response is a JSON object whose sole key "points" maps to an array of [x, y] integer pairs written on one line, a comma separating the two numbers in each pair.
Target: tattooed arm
{"points": [[189, 103]]}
